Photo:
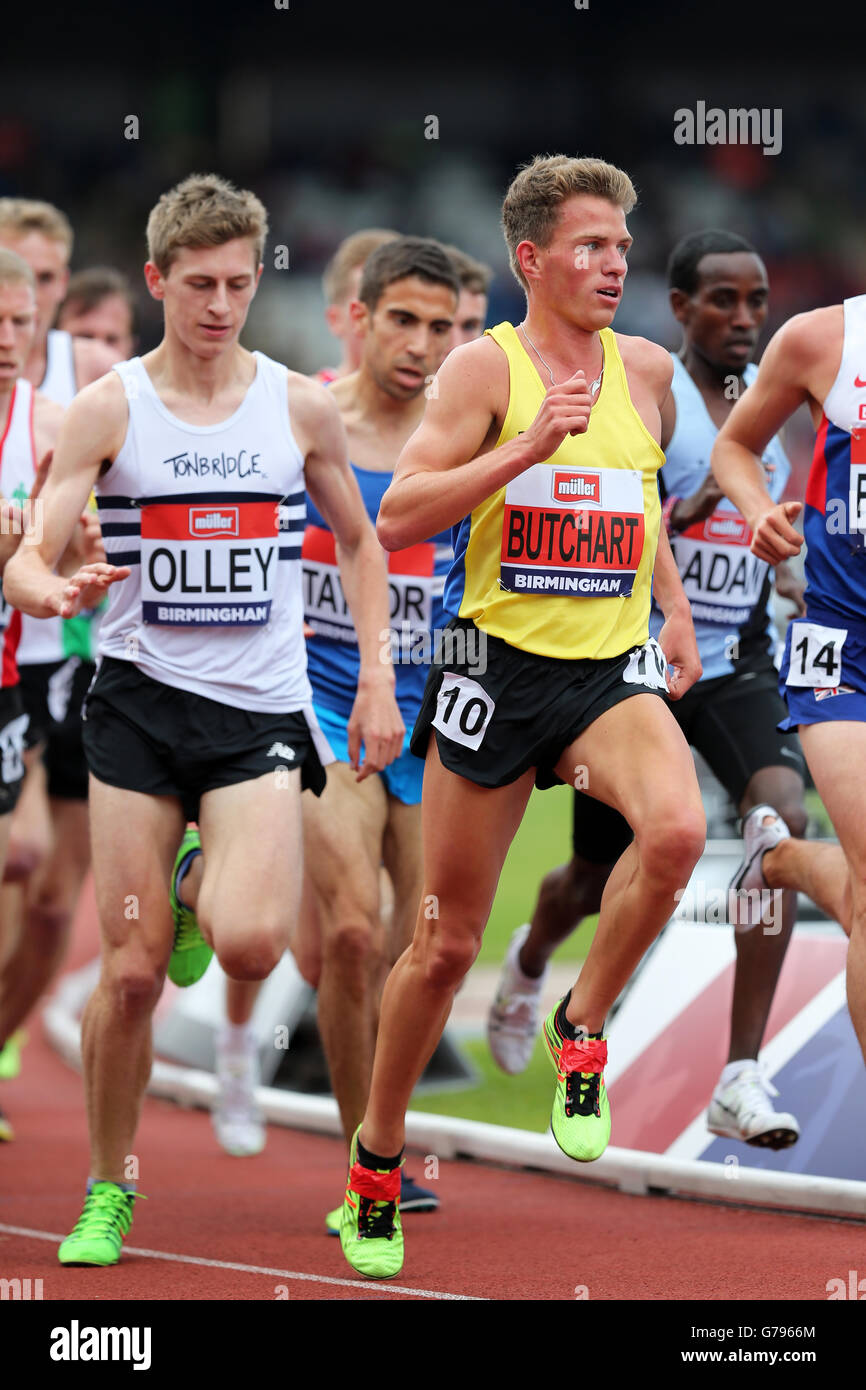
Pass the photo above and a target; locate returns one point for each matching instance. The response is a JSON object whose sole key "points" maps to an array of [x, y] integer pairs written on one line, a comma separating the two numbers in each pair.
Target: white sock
{"points": [[733, 1070], [236, 1036]]}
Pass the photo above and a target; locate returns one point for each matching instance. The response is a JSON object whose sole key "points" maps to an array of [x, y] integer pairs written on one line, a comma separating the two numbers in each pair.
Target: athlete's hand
{"points": [[680, 645], [701, 504], [564, 410], [791, 587], [376, 722], [774, 538], [86, 546], [86, 588]]}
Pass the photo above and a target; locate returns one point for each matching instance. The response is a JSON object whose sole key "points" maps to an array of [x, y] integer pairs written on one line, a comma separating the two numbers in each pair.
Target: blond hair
{"points": [[204, 210], [355, 251], [14, 270], [20, 216], [532, 203]]}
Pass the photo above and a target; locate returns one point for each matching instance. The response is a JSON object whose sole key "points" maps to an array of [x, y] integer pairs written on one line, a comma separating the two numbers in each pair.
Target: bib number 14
{"points": [[816, 655]]}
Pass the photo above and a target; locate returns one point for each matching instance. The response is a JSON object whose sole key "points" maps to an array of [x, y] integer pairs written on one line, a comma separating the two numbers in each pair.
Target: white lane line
{"points": [[380, 1286]]}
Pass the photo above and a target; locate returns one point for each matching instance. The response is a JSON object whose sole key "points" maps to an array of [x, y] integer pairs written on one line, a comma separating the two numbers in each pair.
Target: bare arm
{"points": [[92, 430], [376, 719], [440, 475], [784, 381]]}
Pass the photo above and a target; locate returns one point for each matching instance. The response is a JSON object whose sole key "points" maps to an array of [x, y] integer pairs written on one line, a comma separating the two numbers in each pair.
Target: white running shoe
{"points": [[743, 1109], [747, 911], [513, 1017], [238, 1123]]}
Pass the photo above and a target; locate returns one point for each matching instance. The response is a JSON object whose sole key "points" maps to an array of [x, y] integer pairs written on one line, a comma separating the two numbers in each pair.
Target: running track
{"points": [[216, 1227]]}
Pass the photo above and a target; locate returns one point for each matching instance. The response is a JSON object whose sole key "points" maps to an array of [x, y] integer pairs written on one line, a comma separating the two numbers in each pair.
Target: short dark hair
{"points": [[398, 260], [474, 275], [690, 250], [88, 288]]}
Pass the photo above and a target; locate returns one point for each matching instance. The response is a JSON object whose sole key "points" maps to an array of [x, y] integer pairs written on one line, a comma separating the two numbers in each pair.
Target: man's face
{"points": [[207, 292], [17, 329], [580, 273], [407, 336], [722, 320], [49, 261], [470, 318], [109, 322]]}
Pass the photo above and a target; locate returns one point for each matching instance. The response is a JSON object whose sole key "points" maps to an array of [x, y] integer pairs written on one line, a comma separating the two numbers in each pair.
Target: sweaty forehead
{"points": [[236, 257], [584, 212]]}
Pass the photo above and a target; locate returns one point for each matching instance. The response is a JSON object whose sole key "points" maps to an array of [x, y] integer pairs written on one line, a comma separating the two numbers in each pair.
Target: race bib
{"points": [[12, 747], [578, 532], [816, 655], [857, 484], [721, 577], [213, 564], [647, 666], [411, 586], [463, 710]]}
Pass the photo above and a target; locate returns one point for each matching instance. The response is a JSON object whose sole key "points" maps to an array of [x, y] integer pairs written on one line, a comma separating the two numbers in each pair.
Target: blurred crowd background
{"points": [[325, 111]]}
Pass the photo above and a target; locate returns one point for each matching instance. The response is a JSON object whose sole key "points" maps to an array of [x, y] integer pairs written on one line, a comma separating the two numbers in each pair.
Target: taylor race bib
{"points": [[411, 587]]}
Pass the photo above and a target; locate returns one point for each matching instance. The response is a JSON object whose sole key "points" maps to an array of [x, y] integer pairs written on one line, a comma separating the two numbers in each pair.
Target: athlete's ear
{"points": [[359, 316], [526, 254], [680, 306], [153, 278]]}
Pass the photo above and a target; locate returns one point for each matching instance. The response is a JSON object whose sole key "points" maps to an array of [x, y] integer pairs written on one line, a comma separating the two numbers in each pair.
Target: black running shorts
{"points": [[53, 693], [145, 736], [521, 710], [13, 725], [732, 722]]}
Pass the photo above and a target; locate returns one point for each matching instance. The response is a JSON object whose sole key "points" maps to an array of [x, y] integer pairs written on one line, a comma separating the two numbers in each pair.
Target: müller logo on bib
{"points": [[576, 487], [724, 527], [207, 522]]}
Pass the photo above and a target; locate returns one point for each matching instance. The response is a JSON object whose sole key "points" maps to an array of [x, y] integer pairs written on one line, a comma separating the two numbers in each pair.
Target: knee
{"points": [[671, 846], [449, 957], [22, 860], [135, 986], [253, 956], [354, 945]]}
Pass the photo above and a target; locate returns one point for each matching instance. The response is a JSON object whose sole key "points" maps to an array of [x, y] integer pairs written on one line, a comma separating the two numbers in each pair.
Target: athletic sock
{"points": [[124, 1186], [733, 1070], [375, 1161], [567, 1029], [235, 1036]]}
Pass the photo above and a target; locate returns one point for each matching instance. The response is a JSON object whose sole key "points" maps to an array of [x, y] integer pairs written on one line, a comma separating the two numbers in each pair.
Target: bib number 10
{"points": [[816, 655], [463, 710]]}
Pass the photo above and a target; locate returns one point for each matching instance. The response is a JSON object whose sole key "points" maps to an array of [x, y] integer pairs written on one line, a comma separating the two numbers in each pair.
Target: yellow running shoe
{"points": [[371, 1233], [580, 1122]]}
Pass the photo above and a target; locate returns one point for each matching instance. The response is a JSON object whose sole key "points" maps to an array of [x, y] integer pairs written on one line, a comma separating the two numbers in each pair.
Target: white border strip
{"points": [[445, 1136]]}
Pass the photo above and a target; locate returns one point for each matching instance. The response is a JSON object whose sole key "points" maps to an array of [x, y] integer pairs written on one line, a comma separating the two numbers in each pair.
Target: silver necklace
{"points": [[595, 385]]}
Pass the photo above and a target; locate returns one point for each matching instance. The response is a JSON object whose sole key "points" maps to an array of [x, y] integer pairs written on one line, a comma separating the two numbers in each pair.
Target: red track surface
{"points": [[494, 1236]]}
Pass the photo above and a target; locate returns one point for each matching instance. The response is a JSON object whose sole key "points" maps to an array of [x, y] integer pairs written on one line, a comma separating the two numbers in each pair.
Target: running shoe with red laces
{"points": [[371, 1233], [580, 1121]]}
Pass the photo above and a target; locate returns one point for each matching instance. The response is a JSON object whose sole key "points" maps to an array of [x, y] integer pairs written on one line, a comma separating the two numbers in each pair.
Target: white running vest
{"points": [[210, 518], [59, 383], [17, 468]]}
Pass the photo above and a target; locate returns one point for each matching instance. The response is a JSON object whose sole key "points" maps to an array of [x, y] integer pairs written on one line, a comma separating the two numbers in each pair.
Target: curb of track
{"points": [[630, 1170]]}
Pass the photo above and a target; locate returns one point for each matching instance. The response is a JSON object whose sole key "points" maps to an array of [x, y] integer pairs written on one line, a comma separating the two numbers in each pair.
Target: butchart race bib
{"points": [[573, 531]]}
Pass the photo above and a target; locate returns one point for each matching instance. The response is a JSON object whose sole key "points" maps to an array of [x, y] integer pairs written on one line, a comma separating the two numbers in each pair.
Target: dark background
{"points": [[322, 108]]}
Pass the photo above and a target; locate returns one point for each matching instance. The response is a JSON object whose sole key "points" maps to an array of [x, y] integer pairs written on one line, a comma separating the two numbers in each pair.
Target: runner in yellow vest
{"points": [[540, 446]]}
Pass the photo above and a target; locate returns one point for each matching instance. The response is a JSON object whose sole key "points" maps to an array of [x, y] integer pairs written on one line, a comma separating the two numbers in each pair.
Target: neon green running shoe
{"points": [[370, 1230], [580, 1122], [105, 1220], [10, 1055], [332, 1221], [191, 955]]}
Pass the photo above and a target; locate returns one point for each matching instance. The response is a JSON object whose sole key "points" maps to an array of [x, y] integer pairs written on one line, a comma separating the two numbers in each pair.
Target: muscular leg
{"points": [[343, 836], [760, 953], [835, 753], [51, 897], [135, 839], [403, 856], [638, 762], [466, 832]]}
